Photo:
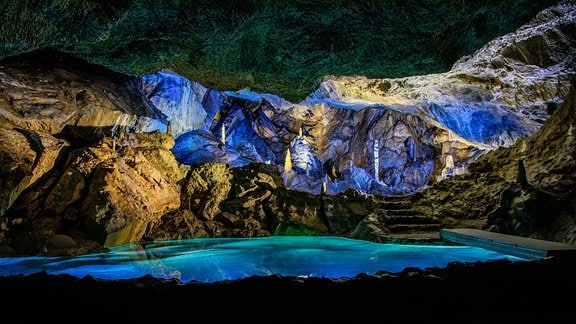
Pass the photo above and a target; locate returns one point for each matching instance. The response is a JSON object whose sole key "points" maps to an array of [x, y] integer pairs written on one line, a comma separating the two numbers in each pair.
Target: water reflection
{"points": [[217, 259]]}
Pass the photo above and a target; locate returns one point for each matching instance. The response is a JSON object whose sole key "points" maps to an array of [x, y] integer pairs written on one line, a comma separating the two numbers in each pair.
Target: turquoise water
{"points": [[216, 259]]}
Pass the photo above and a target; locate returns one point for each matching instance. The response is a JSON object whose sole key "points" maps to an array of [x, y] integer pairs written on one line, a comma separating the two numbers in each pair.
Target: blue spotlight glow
{"points": [[218, 259]]}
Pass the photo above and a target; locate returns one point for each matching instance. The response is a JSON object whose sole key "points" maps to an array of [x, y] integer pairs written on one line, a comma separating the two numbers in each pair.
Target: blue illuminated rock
{"points": [[118, 159], [428, 127]]}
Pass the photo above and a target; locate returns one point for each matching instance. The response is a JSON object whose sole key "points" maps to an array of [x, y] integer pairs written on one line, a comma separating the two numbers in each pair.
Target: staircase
{"points": [[400, 219]]}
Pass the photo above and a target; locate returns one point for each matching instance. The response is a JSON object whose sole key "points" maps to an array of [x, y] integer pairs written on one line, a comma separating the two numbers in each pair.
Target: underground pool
{"points": [[217, 259]]}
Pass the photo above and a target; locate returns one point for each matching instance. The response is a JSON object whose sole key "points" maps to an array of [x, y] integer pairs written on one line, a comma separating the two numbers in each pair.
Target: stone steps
{"points": [[395, 203], [409, 219], [400, 218], [399, 212], [399, 204], [413, 228]]}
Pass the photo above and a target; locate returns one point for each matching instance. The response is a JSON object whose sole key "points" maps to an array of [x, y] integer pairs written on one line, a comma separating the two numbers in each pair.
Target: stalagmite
{"points": [[376, 160], [288, 161], [223, 134], [449, 161], [448, 169]]}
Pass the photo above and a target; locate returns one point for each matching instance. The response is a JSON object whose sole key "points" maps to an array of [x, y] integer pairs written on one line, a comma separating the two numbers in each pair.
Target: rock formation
{"points": [[92, 158]]}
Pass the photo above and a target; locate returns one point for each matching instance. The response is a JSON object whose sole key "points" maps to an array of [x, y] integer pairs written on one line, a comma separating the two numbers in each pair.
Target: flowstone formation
{"points": [[92, 158]]}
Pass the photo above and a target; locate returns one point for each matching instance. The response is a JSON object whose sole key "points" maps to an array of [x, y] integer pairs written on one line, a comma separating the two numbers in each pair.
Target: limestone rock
{"points": [[206, 187], [527, 204], [93, 159], [26, 157]]}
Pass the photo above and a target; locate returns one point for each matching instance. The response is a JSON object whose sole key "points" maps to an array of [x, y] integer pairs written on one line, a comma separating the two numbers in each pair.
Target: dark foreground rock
{"points": [[542, 291]]}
